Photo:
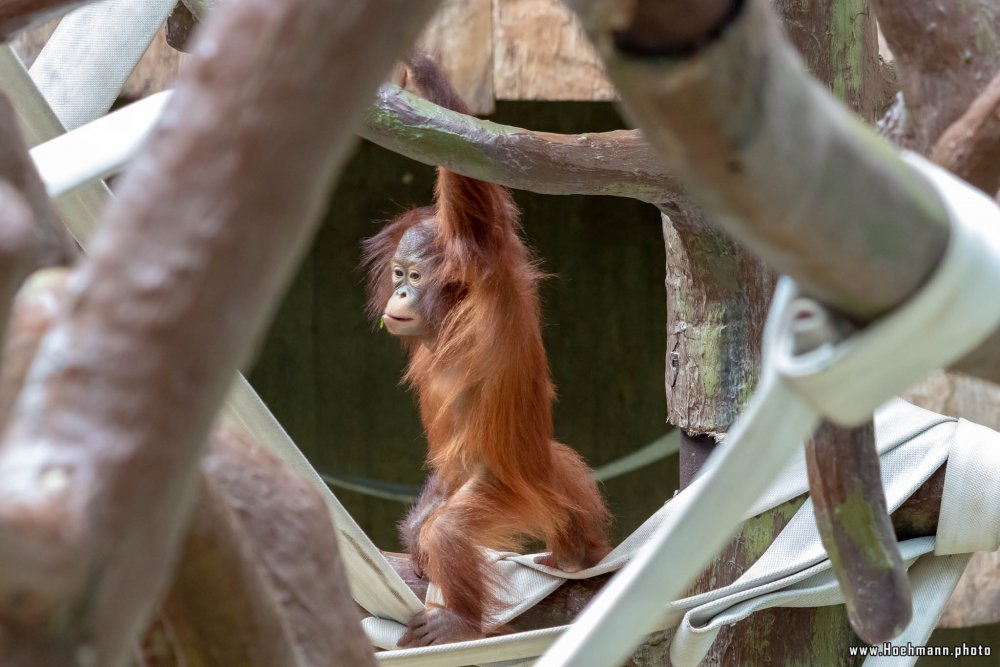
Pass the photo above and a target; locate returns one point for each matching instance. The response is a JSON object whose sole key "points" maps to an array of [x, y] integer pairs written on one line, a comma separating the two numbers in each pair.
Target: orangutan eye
{"points": [[397, 272], [414, 276]]}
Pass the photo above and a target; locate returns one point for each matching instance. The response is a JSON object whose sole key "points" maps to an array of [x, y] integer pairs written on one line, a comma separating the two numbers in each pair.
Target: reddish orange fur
{"points": [[485, 395]]}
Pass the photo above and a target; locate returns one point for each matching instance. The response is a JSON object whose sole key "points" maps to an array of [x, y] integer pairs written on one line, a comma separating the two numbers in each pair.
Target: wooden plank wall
{"points": [[491, 49], [515, 50]]}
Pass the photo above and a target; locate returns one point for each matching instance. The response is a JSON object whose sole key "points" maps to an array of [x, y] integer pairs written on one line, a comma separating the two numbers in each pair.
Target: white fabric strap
{"points": [[98, 149], [84, 65], [932, 581], [912, 444], [843, 380], [970, 505], [937, 326]]}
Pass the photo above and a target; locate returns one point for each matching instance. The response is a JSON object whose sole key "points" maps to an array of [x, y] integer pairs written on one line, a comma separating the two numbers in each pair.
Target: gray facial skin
{"points": [[403, 313]]}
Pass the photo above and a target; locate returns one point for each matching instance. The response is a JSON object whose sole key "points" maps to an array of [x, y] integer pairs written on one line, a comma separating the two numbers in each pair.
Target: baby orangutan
{"points": [[455, 282]]}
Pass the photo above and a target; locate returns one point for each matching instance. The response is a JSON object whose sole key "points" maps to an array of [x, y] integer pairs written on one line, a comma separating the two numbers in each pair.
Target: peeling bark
{"points": [[717, 300], [98, 466]]}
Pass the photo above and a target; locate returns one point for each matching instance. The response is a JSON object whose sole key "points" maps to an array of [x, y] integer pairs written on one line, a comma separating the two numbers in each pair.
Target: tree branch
{"points": [[617, 163], [17, 15], [845, 485], [98, 466], [970, 147], [51, 244], [260, 582], [944, 57]]}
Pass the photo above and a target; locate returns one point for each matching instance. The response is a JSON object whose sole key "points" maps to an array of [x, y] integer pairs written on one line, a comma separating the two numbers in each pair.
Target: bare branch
{"points": [[845, 486], [617, 163], [945, 56], [98, 467], [971, 146]]}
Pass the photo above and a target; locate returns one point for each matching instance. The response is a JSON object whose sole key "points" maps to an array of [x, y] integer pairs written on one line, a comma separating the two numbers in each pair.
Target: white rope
{"points": [[87, 60]]}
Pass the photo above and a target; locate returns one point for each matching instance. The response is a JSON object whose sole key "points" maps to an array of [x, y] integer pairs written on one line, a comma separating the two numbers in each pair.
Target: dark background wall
{"points": [[333, 381]]}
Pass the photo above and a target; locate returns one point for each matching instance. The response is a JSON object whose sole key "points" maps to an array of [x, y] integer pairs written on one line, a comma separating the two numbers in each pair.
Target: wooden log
{"points": [[98, 467], [717, 297], [34, 309], [156, 71], [260, 581], [17, 246], [231, 598], [839, 43], [460, 38]]}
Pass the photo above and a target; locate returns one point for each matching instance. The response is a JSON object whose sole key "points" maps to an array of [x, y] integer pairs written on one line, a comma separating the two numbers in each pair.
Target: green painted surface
{"points": [[332, 378], [846, 23]]}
